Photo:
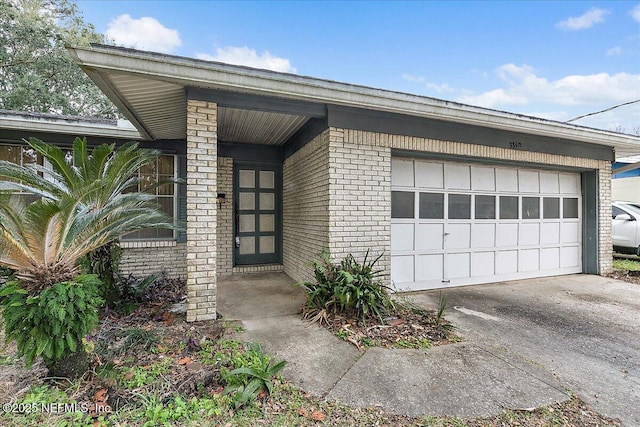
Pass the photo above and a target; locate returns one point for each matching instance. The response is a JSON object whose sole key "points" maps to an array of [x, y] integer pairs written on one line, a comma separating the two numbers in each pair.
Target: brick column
{"points": [[605, 241], [359, 200], [202, 139]]}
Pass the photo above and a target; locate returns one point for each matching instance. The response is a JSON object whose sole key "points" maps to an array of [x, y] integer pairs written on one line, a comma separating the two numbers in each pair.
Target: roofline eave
{"points": [[65, 126], [196, 73]]}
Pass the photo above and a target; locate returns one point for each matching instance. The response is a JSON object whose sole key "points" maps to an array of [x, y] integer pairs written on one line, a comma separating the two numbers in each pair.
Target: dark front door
{"points": [[257, 211]]}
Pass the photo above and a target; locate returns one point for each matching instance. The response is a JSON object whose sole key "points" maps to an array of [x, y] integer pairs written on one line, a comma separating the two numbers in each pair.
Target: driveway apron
{"points": [[583, 329]]}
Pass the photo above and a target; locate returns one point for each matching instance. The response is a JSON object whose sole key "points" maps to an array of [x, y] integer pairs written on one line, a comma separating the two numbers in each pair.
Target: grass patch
{"points": [[626, 264]]}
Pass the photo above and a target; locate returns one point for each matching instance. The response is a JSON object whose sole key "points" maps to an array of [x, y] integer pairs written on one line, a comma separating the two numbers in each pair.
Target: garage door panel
{"points": [[506, 235], [402, 173], [429, 267], [549, 182], [458, 265], [483, 178], [459, 223], [528, 181], [402, 268], [429, 237], [570, 256], [459, 236], [529, 260], [550, 233], [570, 232], [483, 264], [402, 237], [549, 258], [429, 175], [506, 262], [483, 235], [529, 234], [507, 180], [458, 177], [569, 183]]}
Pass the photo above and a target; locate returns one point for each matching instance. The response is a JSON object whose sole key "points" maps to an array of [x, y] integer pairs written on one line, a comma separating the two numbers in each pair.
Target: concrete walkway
{"points": [[466, 379]]}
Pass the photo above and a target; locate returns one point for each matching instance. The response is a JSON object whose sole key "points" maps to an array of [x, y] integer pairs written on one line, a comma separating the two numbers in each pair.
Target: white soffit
{"points": [[160, 106], [257, 127]]}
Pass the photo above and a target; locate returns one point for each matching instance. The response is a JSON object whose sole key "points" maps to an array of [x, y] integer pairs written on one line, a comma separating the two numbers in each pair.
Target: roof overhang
{"points": [[151, 91], [68, 125]]}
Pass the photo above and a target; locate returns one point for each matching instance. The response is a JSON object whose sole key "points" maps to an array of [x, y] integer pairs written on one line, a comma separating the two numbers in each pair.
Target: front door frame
{"points": [[243, 260]]}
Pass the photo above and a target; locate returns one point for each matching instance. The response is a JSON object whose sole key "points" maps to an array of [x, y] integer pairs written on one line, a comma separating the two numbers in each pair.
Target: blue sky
{"points": [[551, 59]]}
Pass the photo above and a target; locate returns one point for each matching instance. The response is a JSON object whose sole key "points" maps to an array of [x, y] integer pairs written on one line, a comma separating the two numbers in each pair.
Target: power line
{"points": [[602, 111]]}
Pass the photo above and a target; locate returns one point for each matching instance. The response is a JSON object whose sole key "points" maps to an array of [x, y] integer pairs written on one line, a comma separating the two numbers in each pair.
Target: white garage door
{"points": [[458, 224]]}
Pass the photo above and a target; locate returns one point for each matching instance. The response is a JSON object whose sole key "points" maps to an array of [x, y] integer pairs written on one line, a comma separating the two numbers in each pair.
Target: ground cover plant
{"points": [[350, 299]]}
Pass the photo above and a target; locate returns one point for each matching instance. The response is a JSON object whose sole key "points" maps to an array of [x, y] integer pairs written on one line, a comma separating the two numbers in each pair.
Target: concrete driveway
{"points": [[585, 330]]}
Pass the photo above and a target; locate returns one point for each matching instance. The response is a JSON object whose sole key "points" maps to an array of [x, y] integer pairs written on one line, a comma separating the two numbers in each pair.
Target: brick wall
{"points": [[305, 207], [170, 259], [605, 233], [363, 138], [225, 216], [202, 162], [360, 200]]}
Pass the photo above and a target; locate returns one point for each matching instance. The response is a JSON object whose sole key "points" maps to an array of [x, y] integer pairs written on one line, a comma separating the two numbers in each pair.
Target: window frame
{"points": [[174, 233]]}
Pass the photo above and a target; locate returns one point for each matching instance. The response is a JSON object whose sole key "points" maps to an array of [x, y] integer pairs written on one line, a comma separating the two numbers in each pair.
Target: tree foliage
{"points": [[36, 72]]}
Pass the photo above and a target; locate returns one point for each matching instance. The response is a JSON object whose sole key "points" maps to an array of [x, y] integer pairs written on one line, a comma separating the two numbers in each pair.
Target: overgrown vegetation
{"points": [[87, 200], [350, 299], [349, 288], [252, 375]]}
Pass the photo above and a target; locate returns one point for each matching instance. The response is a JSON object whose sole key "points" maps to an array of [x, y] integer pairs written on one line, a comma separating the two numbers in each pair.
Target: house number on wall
{"points": [[515, 145]]}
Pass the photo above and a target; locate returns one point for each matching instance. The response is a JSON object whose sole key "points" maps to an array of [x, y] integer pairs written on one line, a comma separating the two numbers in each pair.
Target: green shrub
{"points": [[349, 288], [105, 263], [53, 323]]}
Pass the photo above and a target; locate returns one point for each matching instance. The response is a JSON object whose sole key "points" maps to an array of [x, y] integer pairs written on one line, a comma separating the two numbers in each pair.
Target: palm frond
{"points": [[88, 204]]}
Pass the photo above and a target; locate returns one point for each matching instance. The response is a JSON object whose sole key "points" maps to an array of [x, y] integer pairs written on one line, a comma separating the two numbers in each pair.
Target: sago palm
{"points": [[44, 240], [104, 178]]}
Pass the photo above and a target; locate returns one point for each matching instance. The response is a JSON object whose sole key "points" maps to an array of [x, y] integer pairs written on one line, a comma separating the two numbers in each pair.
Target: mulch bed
{"points": [[407, 327]]}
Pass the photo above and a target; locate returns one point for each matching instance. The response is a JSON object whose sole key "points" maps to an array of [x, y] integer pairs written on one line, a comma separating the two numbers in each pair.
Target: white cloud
{"points": [[249, 58], [524, 87], [614, 51], [413, 79], [145, 33], [494, 98], [635, 13], [584, 21]]}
